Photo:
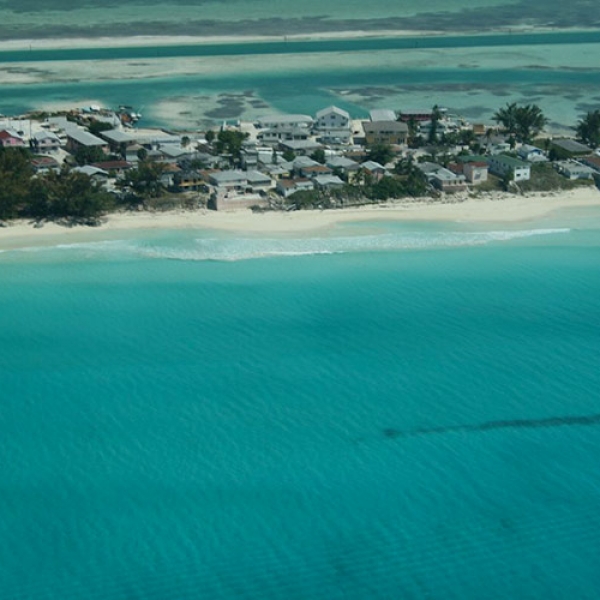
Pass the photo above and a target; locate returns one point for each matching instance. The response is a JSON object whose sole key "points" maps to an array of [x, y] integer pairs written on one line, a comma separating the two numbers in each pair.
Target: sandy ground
{"points": [[492, 209]]}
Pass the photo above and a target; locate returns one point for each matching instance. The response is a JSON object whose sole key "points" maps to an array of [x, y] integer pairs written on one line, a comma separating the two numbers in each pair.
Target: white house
{"points": [[476, 172], [531, 153], [501, 164], [46, 141], [331, 118], [285, 121]]}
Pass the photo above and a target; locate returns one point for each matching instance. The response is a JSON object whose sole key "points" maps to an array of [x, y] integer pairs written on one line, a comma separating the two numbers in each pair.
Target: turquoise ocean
{"points": [[376, 411]]}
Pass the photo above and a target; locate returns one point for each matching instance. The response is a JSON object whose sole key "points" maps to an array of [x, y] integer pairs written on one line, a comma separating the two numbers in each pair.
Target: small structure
{"points": [[501, 165], [328, 181], [45, 142], [476, 172], [300, 147], [11, 139], [313, 171], [531, 153], [572, 169], [278, 134], [44, 164], [287, 187]]}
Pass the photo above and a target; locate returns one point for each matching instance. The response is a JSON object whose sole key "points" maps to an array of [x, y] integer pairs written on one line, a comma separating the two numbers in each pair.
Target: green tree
{"points": [[68, 195], [230, 142], [84, 155], [524, 122], [380, 153], [15, 179], [96, 127], [588, 129], [209, 136], [145, 180], [319, 155], [288, 155]]}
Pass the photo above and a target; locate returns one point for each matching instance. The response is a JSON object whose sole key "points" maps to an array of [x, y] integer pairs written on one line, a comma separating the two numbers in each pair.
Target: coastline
{"points": [[491, 209], [188, 40]]}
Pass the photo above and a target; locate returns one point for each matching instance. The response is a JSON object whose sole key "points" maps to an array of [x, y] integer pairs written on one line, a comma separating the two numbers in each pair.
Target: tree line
{"points": [[64, 195]]}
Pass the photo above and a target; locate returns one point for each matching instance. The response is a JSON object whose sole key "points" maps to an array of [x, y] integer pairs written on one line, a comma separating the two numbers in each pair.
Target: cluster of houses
{"points": [[279, 153]]}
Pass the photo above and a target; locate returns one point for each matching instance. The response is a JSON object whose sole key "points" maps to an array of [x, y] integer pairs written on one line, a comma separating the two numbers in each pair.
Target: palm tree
{"points": [[524, 122], [530, 121], [507, 117], [588, 129]]}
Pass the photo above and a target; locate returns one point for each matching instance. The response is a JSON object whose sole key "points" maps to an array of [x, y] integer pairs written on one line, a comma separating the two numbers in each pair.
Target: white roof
{"points": [[333, 109], [285, 119]]}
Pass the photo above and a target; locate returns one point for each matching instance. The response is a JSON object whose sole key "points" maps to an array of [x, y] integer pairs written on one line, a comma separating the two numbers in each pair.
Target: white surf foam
{"points": [[234, 249]]}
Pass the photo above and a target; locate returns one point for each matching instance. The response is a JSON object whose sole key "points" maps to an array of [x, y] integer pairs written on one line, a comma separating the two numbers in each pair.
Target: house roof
{"points": [[284, 119], [85, 138], [333, 109], [371, 165], [382, 114], [571, 146], [385, 127], [515, 163]]}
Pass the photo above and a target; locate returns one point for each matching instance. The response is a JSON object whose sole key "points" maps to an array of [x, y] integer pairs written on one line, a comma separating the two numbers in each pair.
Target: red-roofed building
{"points": [[10, 139]]}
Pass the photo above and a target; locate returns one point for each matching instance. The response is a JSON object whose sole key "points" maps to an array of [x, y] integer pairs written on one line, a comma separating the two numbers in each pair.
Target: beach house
{"points": [[385, 132], [501, 165]]}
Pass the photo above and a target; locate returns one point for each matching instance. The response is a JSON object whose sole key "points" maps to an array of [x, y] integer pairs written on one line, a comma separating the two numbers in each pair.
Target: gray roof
{"points": [[382, 114], [327, 180], [510, 161], [257, 177], [571, 146], [371, 165], [233, 176], [117, 136], [303, 161], [85, 138], [45, 135], [300, 144], [341, 162], [385, 127], [173, 150]]}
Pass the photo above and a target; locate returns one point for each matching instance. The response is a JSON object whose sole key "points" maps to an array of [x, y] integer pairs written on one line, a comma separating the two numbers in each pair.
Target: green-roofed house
{"points": [[501, 164]]}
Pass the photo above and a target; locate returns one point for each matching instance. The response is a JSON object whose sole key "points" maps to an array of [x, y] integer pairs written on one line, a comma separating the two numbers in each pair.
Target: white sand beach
{"points": [[491, 209]]}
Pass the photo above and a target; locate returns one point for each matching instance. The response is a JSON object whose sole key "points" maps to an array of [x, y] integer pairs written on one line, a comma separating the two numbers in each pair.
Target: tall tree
{"points": [[524, 122], [588, 129]]}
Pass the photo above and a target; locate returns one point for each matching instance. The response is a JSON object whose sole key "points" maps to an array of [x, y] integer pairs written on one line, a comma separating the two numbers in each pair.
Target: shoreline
{"points": [[136, 41], [491, 209]]}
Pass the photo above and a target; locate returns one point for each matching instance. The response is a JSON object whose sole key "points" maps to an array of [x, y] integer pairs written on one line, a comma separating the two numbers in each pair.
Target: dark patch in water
{"points": [[564, 421]]}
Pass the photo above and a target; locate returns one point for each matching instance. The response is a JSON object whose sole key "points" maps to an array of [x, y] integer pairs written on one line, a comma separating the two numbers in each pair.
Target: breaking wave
{"points": [[235, 249]]}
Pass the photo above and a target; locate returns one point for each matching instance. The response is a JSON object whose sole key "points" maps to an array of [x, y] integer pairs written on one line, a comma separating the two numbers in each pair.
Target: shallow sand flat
{"points": [[499, 208]]}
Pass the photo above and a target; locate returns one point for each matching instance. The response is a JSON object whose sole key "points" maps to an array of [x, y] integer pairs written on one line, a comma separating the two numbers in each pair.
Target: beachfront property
{"points": [[573, 169], [502, 165], [476, 172], [385, 132], [332, 117]]}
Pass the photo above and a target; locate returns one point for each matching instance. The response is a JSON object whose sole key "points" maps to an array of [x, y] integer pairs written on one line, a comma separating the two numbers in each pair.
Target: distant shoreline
{"points": [[490, 209], [170, 40]]}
